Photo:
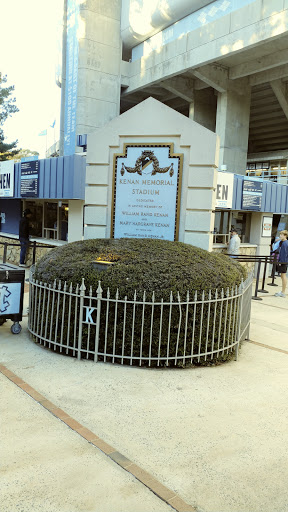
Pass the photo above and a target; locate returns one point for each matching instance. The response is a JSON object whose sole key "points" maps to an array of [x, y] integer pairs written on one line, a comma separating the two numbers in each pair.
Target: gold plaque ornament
{"points": [[146, 192], [147, 158]]}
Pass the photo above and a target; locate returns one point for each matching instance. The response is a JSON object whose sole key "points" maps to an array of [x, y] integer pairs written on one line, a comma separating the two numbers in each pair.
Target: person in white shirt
{"points": [[234, 244]]}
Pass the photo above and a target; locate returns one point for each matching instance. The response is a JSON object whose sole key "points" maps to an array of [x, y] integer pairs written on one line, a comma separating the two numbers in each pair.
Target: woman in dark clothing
{"points": [[283, 262], [24, 235]]}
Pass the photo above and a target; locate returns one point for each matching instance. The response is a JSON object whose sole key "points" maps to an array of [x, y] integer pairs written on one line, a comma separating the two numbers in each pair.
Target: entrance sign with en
{"points": [[224, 190], [7, 178]]}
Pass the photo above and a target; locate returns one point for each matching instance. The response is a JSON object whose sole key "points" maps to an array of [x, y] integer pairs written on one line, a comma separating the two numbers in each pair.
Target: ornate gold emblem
{"points": [[145, 159]]}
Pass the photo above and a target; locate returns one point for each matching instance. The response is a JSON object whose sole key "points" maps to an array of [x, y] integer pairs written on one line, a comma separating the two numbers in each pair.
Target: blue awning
{"points": [[59, 178], [274, 195]]}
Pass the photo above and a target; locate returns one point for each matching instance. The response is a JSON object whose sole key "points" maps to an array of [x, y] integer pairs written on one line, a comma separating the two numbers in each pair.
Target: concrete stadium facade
{"points": [[206, 82], [223, 64]]}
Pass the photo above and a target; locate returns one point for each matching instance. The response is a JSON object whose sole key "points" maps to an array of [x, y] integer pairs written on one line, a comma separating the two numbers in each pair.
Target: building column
{"points": [[63, 80], [202, 109], [200, 206], [100, 53], [232, 126], [98, 66], [75, 220]]}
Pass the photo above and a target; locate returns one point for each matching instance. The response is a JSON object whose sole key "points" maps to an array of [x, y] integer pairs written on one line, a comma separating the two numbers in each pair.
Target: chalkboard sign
{"points": [[29, 179], [252, 195]]}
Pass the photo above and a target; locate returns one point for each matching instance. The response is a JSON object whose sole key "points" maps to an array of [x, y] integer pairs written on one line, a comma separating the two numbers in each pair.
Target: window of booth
{"points": [[221, 226], [36, 220], [282, 223], [49, 219], [50, 225], [226, 220], [241, 221]]}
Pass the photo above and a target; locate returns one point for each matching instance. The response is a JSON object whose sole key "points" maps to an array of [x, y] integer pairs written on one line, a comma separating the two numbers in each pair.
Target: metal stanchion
{"points": [[259, 259], [255, 296], [34, 253], [5, 252], [273, 271], [264, 276]]}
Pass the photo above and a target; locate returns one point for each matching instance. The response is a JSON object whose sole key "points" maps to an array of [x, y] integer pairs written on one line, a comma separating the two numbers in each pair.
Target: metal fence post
{"points": [[274, 263], [5, 252], [81, 307], [262, 290], [241, 288], [99, 298], [255, 297], [34, 253], [249, 324]]}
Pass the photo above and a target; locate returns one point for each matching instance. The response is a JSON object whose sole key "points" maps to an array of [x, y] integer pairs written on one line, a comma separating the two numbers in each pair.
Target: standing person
{"points": [[276, 244], [24, 235], [234, 244], [283, 261], [275, 253]]}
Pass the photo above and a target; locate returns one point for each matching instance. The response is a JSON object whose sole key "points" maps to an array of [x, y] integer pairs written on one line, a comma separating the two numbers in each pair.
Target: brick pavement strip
{"points": [[17, 380], [31, 391], [268, 346], [104, 447], [71, 422], [120, 459], [163, 492], [160, 489], [87, 434], [140, 474], [59, 413], [180, 505], [47, 404]]}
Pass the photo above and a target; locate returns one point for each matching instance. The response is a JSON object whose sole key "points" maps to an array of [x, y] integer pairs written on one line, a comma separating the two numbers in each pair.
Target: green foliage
{"points": [[151, 266], [18, 154], [144, 264], [7, 108]]}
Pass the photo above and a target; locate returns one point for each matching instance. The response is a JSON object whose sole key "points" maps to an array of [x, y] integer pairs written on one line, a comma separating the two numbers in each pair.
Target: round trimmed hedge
{"points": [[142, 265]]}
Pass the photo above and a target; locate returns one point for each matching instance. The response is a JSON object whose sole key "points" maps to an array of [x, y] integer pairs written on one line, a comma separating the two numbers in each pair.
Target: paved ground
{"points": [[214, 438]]}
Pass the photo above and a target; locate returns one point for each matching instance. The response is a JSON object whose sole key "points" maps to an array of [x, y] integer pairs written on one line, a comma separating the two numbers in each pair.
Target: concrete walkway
{"points": [[206, 439]]}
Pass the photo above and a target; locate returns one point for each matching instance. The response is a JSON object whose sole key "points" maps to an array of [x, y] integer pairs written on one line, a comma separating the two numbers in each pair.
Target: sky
{"points": [[30, 36]]}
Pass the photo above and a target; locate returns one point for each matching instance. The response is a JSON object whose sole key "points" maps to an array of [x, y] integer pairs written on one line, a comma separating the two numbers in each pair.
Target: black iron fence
{"points": [[32, 245]]}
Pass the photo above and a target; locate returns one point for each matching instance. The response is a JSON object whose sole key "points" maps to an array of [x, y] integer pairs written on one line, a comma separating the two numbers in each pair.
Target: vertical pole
{"points": [[274, 263], [257, 282], [5, 252], [34, 253], [264, 275], [99, 298], [249, 302], [81, 307], [241, 290]]}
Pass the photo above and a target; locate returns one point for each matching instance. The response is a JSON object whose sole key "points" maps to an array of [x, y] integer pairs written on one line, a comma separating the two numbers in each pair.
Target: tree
{"points": [[7, 108], [16, 155]]}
